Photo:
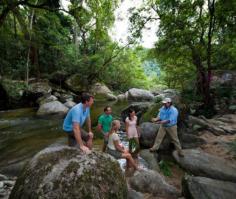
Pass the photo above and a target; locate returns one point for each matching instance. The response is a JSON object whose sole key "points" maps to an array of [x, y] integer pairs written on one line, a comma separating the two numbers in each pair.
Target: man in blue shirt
{"points": [[74, 121], [167, 118]]}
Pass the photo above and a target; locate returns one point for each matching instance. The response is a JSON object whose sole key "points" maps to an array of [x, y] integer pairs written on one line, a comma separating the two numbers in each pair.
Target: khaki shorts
{"points": [[71, 138], [116, 154]]}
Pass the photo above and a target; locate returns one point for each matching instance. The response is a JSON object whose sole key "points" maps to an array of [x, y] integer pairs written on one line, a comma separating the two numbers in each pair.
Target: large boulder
{"points": [[76, 84], [223, 77], [58, 77], [39, 89], [223, 88], [207, 188], [54, 107], [121, 97], [150, 158], [102, 92], [135, 94], [64, 172], [220, 125], [46, 98], [148, 132], [12, 93], [139, 108], [69, 104], [200, 163], [149, 181], [151, 112], [132, 194], [189, 141]]}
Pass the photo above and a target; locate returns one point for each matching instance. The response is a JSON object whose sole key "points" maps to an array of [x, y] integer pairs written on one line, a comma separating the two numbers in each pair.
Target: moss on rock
{"points": [[64, 172], [14, 89]]}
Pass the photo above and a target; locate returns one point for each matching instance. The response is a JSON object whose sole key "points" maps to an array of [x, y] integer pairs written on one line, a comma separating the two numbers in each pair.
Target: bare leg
{"points": [[89, 143], [104, 147], [130, 160]]}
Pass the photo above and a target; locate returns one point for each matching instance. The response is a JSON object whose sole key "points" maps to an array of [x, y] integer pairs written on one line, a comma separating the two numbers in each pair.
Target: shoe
{"points": [[180, 153], [152, 149]]}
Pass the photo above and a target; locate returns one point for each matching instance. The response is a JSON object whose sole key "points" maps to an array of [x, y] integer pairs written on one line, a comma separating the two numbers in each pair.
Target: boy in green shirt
{"points": [[104, 125]]}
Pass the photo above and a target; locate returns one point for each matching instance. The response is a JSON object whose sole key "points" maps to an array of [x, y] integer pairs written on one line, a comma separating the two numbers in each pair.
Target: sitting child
{"points": [[115, 148]]}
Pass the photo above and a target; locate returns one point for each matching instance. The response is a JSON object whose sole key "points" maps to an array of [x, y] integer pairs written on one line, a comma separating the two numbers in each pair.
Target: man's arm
{"points": [[89, 127], [156, 119], [77, 134], [163, 122], [99, 127], [89, 124], [118, 146]]}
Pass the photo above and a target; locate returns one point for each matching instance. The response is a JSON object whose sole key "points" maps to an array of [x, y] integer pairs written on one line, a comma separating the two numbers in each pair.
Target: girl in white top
{"points": [[131, 131], [115, 147]]}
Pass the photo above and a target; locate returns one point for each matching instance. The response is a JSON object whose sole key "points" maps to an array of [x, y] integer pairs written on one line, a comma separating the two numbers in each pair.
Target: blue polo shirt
{"points": [[76, 114], [170, 114]]}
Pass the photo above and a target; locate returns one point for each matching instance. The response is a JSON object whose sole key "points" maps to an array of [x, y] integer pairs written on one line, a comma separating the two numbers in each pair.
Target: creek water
{"points": [[23, 134]]}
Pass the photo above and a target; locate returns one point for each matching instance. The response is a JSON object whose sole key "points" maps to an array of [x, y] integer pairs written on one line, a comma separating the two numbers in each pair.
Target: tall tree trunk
{"points": [[30, 45], [203, 85], [211, 7], [33, 57]]}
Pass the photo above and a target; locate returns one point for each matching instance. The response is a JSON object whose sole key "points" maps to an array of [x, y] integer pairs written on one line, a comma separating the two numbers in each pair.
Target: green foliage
{"points": [[77, 43], [165, 167], [194, 37]]}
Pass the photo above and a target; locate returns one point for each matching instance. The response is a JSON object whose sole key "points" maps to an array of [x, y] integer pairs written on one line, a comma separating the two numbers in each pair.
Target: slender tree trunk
{"points": [[4, 15], [30, 46], [15, 29], [211, 7]]}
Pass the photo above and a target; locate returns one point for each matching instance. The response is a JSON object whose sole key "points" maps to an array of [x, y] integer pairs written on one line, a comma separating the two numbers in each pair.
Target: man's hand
{"points": [[163, 122], [90, 134], [154, 120], [85, 149]]}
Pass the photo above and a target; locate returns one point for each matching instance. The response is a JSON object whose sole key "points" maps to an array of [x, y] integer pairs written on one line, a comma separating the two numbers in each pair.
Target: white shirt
{"points": [[113, 137]]}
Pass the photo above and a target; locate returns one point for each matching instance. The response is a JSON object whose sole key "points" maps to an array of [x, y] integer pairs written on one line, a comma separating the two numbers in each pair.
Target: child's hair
{"points": [[113, 125]]}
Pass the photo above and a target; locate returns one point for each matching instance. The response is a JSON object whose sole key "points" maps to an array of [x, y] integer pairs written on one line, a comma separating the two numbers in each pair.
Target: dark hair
{"points": [[105, 109], [85, 97], [130, 111]]}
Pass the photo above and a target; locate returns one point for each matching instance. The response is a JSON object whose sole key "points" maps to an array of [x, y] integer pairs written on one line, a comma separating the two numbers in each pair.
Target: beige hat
{"points": [[166, 100]]}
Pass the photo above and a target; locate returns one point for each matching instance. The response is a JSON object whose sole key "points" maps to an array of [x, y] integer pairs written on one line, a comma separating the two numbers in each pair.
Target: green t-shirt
{"points": [[105, 121]]}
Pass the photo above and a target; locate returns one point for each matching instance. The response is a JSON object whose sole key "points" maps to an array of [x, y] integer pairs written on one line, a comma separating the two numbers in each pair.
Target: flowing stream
{"points": [[23, 134]]}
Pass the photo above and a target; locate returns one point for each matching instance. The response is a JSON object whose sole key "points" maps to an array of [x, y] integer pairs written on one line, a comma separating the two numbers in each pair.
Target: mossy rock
{"points": [[101, 92], [64, 172], [13, 92], [13, 88], [76, 84], [152, 111], [39, 89]]}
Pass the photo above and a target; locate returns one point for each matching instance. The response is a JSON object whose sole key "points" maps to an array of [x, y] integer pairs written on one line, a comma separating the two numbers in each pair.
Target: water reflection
{"points": [[23, 134]]}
